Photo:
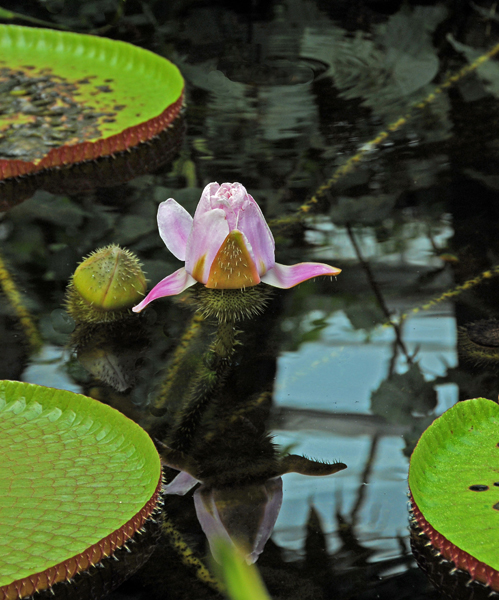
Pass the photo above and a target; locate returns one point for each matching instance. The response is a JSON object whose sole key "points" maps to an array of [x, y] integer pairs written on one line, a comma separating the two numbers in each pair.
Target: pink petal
{"points": [[274, 491], [253, 224], [209, 519], [182, 483], [282, 276], [245, 516], [205, 203], [233, 197], [207, 235], [169, 286], [230, 197], [174, 224], [224, 199]]}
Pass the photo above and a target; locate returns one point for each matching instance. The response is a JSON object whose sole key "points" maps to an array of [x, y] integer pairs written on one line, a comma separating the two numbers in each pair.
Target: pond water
{"points": [[280, 96]]}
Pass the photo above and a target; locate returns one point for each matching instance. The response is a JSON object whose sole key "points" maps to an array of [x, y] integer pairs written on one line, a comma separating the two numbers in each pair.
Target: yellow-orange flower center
{"points": [[233, 267], [197, 272]]}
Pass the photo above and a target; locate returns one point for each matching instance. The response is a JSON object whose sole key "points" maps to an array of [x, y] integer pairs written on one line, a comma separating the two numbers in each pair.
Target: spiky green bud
{"points": [[105, 286]]}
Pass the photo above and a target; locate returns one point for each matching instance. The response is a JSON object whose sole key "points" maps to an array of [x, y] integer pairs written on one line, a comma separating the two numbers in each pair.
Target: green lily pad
{"points": [[67, 98], [454, 484], [77, 480]]}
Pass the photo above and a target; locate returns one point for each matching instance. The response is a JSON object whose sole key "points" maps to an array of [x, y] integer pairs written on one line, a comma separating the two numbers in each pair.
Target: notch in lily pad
{"points": [[454, 494], [66, 98], [79, 483]]}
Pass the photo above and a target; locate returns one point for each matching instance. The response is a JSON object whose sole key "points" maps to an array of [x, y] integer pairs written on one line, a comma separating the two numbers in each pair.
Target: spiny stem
{"points": [[225, 340], [15, 300], [190, 336], [207, 381], [255, 403], [187, 555]]}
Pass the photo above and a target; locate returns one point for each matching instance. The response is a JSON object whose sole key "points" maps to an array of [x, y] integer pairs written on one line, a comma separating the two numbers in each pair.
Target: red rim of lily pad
{"points": [[77, 480], [477, 570], [454, 488], [79, 97]]}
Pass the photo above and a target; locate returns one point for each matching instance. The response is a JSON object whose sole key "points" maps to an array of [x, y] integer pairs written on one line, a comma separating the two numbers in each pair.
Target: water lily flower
{"points": [[227, 245]]}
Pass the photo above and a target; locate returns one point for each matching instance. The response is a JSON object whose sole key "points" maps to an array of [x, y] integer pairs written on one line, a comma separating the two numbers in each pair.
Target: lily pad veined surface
{"points": [[77, 480], [67, 98], [454, 484]]}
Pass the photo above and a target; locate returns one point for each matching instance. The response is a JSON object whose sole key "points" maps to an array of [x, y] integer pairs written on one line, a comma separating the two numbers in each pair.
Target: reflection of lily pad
{"points": [[454, 483], [107, 171], [77, 481], [67, 97]]}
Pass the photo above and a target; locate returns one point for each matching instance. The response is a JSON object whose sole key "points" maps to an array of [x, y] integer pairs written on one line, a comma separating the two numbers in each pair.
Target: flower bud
{"points": [[105, 286]]}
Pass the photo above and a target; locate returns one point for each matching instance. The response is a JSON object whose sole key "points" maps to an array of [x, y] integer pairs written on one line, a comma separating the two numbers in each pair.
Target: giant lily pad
{"points": [[454, 484], [77, 481], [67, 98]]}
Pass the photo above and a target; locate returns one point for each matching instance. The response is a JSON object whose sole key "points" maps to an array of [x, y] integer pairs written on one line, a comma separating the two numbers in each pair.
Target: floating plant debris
{"points": [[455, 500], [67, 98], [78, 480]]}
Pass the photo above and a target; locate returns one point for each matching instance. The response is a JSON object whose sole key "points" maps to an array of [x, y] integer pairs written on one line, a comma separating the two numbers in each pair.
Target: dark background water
{"points": [[279, 95]]}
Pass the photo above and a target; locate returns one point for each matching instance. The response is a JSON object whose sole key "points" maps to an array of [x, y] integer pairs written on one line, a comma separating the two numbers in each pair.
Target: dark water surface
{"points": [[279, 96]]}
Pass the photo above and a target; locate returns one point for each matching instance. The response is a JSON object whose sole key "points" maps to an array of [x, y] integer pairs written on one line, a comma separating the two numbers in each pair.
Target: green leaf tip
{"points": [[240, 580]]}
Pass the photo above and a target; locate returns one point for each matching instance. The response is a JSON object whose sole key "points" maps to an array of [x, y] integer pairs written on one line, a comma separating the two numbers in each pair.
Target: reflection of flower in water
{"points": [[243, 514], [227, 245]]}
